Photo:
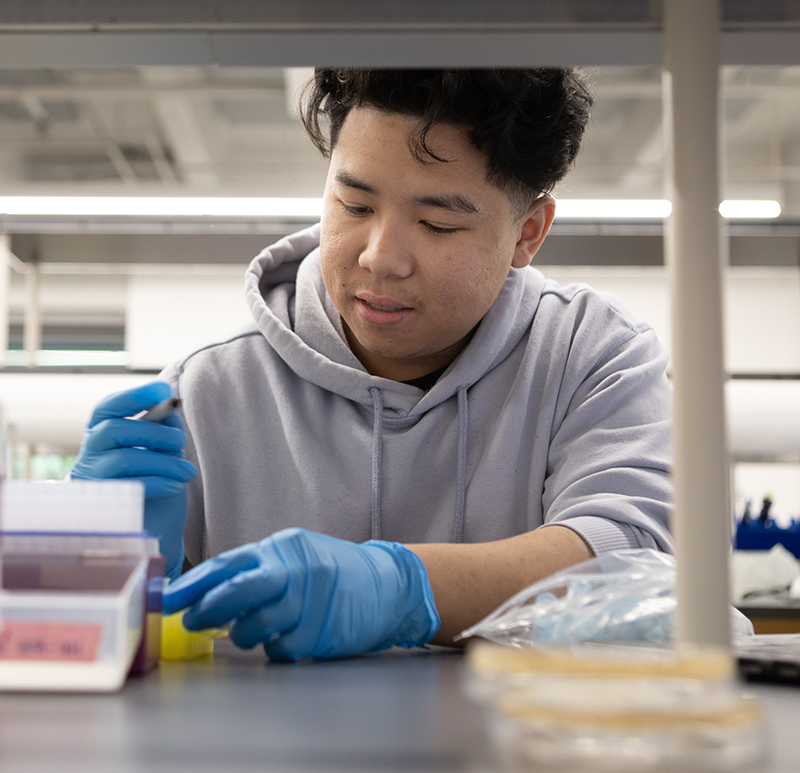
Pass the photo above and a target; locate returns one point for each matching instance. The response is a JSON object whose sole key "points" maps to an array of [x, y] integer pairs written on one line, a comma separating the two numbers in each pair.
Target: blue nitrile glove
{"points": [[117, 447], [308, 595]]}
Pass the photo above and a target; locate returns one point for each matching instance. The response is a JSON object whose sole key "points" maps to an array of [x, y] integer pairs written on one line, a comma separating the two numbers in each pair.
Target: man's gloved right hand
{"points": [[303, 594], [115, 446]]}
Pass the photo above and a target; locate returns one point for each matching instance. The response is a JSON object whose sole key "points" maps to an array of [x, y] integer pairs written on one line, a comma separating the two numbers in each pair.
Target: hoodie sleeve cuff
{"points": [[603, 535]]}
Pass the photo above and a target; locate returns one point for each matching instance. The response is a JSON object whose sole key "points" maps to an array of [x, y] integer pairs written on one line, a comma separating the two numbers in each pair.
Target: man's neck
{"points": [[404, 368]]}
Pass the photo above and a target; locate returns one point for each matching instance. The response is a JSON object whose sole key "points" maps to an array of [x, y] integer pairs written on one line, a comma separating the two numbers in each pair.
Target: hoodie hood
{"points": [[294, 312]]}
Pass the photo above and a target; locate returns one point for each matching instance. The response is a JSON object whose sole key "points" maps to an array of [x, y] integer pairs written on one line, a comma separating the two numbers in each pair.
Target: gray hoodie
{"points": [[557, 412]]}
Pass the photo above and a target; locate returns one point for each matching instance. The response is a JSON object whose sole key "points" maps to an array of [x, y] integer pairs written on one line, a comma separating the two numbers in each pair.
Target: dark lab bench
{"points": [[397, 711]]}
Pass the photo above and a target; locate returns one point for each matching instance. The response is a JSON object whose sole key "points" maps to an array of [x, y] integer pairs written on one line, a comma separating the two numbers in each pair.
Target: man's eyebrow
{"points": [[348, 180], [452, 201]]}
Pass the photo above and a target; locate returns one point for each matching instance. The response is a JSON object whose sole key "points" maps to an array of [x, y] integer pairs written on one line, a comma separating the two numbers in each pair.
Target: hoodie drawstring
{"points": [[377, 459], [461, 465], [461, 469]]}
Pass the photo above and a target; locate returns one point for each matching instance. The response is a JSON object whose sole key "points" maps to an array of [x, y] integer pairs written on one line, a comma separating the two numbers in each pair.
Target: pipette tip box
{"points": [[80, 609]]}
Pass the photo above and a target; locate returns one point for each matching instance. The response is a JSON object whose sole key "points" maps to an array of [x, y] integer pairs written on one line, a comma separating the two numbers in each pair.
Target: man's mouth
{"points": [[381, 303], [384, 308]]}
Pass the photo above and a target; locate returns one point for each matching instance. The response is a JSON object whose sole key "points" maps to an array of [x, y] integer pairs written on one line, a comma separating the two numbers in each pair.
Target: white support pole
{"points": [[21, 460], [693, 254], [32, 326], [5, 453], [5, 271]]}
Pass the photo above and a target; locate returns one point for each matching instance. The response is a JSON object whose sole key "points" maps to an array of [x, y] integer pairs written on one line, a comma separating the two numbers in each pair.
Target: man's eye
{"points": [[438, 229], [355, 210]]}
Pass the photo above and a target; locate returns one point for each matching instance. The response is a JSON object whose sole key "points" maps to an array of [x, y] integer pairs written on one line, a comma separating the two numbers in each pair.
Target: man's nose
{"points": [[388, 253]]}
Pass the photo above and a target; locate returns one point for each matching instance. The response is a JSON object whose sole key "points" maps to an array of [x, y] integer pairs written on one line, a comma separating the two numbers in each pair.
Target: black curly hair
{"points": [[529, 123]]}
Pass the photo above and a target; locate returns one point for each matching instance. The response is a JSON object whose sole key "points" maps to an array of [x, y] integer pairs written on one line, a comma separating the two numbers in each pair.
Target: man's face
{"points": [[414, 254]]}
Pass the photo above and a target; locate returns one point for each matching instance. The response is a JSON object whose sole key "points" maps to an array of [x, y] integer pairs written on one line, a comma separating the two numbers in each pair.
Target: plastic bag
{"points": [[624, 596], [756, 574]]}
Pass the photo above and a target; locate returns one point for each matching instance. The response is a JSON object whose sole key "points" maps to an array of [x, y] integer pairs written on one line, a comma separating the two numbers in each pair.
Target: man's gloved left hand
{"points": [[115, 446], [308, 595]]}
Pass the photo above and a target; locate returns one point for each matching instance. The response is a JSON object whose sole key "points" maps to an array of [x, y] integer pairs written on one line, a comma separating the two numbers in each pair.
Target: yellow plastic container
{"points": [[179, 644]]}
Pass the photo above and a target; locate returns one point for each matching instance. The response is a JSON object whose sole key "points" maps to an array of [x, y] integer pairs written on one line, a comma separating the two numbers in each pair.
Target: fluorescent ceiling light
{"points": [[656, 209], [158, 206], [197, 206], [612, 209], [749, 210]]}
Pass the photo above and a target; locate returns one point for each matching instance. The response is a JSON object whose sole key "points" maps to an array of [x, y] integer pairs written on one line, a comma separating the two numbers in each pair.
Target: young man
{"points": [[409, 378]]}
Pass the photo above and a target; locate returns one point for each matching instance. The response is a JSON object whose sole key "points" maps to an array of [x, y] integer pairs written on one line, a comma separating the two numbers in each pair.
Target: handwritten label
{"points": [[26, 640]]}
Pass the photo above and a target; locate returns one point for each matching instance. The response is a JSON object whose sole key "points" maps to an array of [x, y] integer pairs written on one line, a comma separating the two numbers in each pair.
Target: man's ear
{"points": [[536, 223]]}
